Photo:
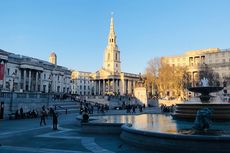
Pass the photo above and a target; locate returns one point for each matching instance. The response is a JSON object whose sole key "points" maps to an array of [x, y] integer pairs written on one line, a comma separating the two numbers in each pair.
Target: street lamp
{"points": [[12, 91]]}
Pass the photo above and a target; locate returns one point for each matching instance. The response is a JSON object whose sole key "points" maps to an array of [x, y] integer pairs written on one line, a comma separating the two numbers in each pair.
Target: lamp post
{"points": [[12, 91]]}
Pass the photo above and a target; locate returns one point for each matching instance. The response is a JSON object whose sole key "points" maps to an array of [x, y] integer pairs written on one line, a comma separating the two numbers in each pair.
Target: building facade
{"points": [[81, 83], [110, 79], [196, 62], [26, 74]]}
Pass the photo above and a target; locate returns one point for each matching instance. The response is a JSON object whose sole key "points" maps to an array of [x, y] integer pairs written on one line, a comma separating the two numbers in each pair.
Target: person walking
{"points": [[43, 117], [55, 120], [21, 113]]}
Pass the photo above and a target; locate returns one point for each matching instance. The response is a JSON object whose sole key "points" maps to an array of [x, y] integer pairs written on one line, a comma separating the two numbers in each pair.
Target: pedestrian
{"points": [[21, 113], [43, 117], [55, 120], [140, 108]]}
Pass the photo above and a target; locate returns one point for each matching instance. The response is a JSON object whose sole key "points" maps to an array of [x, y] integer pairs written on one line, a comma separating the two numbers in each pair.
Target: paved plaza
{"points": [[27, 136]]}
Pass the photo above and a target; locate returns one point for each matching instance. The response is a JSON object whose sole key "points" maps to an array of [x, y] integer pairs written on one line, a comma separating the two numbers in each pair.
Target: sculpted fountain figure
{"points": [[204, 82], [203, 119]]}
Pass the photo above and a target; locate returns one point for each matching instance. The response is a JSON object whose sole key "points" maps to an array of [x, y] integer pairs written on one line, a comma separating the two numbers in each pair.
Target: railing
{"points": [[5, 94], [21, 95], [55, 108]]}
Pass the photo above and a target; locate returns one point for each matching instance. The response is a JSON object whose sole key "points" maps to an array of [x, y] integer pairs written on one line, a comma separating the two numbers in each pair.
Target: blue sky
{"points": [[77, 30]]}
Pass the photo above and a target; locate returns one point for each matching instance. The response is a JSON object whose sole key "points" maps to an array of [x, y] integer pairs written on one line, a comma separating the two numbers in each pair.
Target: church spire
{"points": [[112, 54], [112, 35], [111, 24]]}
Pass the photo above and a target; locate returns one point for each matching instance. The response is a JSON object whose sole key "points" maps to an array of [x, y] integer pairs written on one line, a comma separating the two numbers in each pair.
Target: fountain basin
{"points": [[159, 133], [205, 90], [205, 97], [179, 143], [220, 112]]}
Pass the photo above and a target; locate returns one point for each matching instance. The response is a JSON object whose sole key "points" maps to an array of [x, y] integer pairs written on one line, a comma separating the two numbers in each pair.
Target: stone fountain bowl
{"points": [[205, 90]]}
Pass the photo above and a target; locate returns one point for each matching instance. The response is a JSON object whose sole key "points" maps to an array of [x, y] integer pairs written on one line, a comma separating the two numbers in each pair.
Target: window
{"points": [[116, 56], [108, 65], [225, 84], [8, 71]]}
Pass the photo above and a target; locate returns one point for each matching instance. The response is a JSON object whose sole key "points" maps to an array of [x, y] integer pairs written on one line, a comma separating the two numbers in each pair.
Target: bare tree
{"points": [[172, 81], [151, 74]]}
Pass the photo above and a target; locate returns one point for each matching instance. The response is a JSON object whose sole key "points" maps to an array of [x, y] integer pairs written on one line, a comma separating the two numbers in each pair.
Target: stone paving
{"points": [[27, 136]]}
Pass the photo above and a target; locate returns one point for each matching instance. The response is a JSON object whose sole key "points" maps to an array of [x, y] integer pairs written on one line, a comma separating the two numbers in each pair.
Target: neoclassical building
{"points": [[81, 83], [26, 74], [197, 60], [110, 79]]}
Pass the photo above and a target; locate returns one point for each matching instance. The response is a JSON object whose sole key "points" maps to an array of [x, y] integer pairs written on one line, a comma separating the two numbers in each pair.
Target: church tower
{"points": [[112, 61], [53, 58]]}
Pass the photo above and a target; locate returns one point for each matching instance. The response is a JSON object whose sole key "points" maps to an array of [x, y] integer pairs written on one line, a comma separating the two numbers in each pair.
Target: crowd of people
{"points": [[167, 109], [20, 114], [88, 107]]}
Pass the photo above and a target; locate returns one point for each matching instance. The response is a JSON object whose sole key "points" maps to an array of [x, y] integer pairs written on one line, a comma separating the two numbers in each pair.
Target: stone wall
{"points": [[28, 101]]}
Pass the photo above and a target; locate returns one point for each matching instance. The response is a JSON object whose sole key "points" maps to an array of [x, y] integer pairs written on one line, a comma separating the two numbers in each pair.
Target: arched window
{"points": [[108, 57], [116, 56]]}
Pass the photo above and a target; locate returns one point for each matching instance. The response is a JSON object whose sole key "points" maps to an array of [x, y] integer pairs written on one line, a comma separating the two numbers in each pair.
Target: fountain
{"points": [[162, 134], [188, 110]]}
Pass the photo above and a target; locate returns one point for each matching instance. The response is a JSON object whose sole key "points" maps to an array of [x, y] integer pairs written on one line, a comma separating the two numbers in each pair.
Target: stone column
{"points": [[41, 85], [24, 81], [19, 81], [117, 84], [121, 87], [124, 87], [99, 87], [53, 82], [95, 86], [108, 85], [103, 87], [113, 85], [132, 89], [36, 81], [128, 86], [29, 80], [5, 72]]}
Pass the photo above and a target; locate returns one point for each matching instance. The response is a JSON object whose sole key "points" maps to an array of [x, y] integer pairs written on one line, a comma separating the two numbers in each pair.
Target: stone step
{"points": [[69, 111]]}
